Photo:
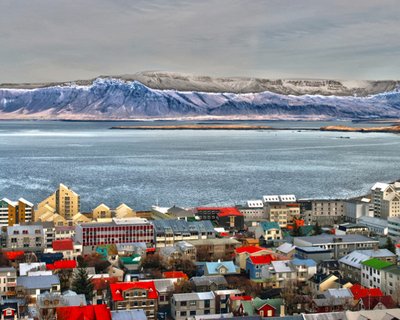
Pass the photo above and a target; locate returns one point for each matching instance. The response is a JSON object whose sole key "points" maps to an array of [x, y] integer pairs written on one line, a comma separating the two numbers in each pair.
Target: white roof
{"points": [[30, 204], [282, 266], [255, 204], [339, 293], [194, 296], [286, 247], [129, 220], [380, 185], [355, 258], [367, 200], [369, 221], [271, 198], [13, 203], [34, 266], [280, 198]]}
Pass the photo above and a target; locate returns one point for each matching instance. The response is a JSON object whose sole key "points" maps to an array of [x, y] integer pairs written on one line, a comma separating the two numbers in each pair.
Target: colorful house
{"points": [[91, 312], [242, 253], [256, 264], [220, 268]]}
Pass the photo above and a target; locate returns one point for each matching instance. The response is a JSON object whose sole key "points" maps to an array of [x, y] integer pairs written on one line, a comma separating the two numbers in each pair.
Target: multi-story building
{"points": [[394, 227], [227, 217], [186, 305], [214, 249], [135, 295], [339, 245], [325, 212], [180, 250], [375, 225], [170, 231], [282, 209], [253, 210], [25, 237], [15, 212], [386, 200], [64, 202], [33, 286], [371, 272], [91, 235], [355, 209], [268, 231], [101, 212], [8, 282], [391, 281]]}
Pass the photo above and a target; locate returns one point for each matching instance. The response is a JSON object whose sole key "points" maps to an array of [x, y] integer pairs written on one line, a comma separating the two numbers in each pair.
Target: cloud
{"points": [[47, 40]]}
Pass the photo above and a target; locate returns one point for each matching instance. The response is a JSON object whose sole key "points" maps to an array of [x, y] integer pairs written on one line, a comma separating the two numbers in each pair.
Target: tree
{"points": [[296, 231], [390, 245], [82, 284], [184, 265], [317, 229], [152, 261], [4, 262], [65, 278], [97, 261], [243, 283], [183, 286]]}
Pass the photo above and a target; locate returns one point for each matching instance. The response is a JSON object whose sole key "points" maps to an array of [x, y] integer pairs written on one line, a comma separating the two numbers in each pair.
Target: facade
{"points": [[339, 245], [318, 254], [101, 212], [253, 210], [268, 231], [27, 237], [135, 295], [394, 227], [356, 209], [226, 217], [390, 277], [185, 305], [168, 232], [351, 228], [36, 285], [386, 200], [181, 250], [91, 235], [326, 212], [214, 249], [371, 274], [8, 282], [375, 225], [282, 209], [15, 212], [64, 202], [209, 283], [221, 268], [242, 253]]}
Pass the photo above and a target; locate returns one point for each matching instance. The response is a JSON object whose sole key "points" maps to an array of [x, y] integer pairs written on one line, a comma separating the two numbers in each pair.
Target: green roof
{"points": [[269, 225], [248, 307], [258, 303], [133, 259], [376, 263]]}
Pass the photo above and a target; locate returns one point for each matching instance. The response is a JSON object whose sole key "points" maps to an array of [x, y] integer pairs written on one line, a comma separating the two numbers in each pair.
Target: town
{"points": [[276, 257]]}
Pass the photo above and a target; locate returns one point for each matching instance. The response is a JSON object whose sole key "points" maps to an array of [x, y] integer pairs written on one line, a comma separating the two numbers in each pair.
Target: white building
{"points": [[355, 209], [394, 227], [375, 225], [386, 200], [371, 272]]}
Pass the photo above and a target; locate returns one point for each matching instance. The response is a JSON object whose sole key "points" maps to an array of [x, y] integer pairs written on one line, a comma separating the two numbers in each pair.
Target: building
{"points": [[36, 285], [169, 231], [181, 250], [340, 245], [325, 212], [256, 264], [253, 210], [25, 237], [101, 212], [180, 213], [351, 228], [390, 277], [63, 201], [8, 282], [394, 227], [356, 209], [91, 235], [350, 265], [282, 209], [15, 212], [375, 226], [371, 275], [318, 254], [209, 283], [221, 268], [47, 303], [185, 305], [135, 295], [242, 253], [226, 217], [268, 231], [90, 312], [214, 249], [386, 200]]}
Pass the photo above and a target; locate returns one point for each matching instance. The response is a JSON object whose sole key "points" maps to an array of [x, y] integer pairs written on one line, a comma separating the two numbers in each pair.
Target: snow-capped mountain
{"points": [[111, 98]]}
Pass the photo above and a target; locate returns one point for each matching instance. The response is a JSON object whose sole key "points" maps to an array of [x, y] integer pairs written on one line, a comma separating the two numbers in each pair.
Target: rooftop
{"points": [[194, 296], [328, 238], [376, 263], [249, 249], [118, 288]]}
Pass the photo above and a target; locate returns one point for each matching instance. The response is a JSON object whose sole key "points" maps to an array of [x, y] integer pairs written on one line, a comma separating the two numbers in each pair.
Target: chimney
{"points": [[282, 310]]}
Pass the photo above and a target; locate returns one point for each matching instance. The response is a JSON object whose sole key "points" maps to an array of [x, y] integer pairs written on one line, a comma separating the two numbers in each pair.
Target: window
{"points": [[183, 313], [193, 312], [183, 303]]}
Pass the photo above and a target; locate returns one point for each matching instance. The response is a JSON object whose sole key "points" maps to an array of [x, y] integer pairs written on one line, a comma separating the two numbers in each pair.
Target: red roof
{"points": [[151, 250], [103, 283], [360, 292], [241, 298], [91, 312], [63, 245], [175, 274], [118, 288], [223, 211], [266, 259], [249, 249], [12, 255], [371, 302], [62, 264]]}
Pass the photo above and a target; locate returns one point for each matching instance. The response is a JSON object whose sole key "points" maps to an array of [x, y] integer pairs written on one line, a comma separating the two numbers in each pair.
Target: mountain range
{"points": [[162, 95]]}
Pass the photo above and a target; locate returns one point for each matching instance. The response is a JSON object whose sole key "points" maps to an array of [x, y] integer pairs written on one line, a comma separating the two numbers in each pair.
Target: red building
{"points": [[91, 312], [118, 231], [227, 217]]}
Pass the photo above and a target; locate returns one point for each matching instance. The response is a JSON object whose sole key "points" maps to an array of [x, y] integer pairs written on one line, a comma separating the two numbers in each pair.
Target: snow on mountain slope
{"points": [[108, 98]]}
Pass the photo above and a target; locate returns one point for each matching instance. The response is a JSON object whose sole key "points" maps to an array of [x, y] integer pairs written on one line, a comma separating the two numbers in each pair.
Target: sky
{"points": [[59, 40]]}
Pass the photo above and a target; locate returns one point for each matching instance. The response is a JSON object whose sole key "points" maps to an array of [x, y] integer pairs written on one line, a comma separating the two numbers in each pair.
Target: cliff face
{"points": [[109, 98]]}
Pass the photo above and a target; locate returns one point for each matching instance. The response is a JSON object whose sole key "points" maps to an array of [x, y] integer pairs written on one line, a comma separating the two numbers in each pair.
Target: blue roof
{"points": [[304, 262], [269, 225], [213, 267]]}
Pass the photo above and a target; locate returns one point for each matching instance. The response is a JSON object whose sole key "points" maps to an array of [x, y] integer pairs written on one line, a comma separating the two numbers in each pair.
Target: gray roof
{"points": [[207, 280], [7, 269], [325, 316], [182, 226], [162, 285], [312, 249], [38, 282], [217, 241], [180, 212], [194, 296], [326, 238], [137, 314], [31, 229]]}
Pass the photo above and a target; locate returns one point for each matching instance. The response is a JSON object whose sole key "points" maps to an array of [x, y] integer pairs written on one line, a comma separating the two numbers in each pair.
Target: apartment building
{"points": [[391, 281], [371, 272], [91, 235], [282, 209], [180, 250], [394, 227], [168, 232], [135, 295], [226, 217], [339, 245], [214, 249], [325, 212], [253, 210], [355, 209], [268, 231], [386, 200], [186, 305], [15, 212], [8, 282], [25, 237], [103, 212], [63, 202]]}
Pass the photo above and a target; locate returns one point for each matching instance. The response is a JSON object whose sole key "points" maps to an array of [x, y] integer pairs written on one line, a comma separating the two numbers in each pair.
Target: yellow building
{"points": [[101, 212], [123, 211], [15, 212]]}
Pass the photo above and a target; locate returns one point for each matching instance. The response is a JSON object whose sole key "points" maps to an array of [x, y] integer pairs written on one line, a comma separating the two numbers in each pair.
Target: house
{"points": [[9, 309], [371, 275], [184, 305], [165, 289], [305, 268], [47, 303], [256, 264], [65, 246], [359, 292], [268, 231], [35, 285], [214, 249], [222, 299], [90, 312], [286, 249], [8, 282], [350, 264], [328, 266], [321, 282], [221, 268], [209, 283], [318, 254], [135, 295], [265, 308], [181, 250], [242, 253], [280, 272], [100, 288], [377, 303], [175, 275]]}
